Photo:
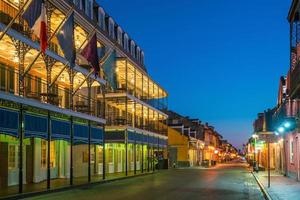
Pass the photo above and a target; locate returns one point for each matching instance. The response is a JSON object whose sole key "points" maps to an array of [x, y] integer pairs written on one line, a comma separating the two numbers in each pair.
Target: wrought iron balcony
{"points": [[36, 88]]}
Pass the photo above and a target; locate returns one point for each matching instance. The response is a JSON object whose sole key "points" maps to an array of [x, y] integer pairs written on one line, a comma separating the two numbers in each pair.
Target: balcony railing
{"points": [[116, 117], [289, 109], [36, 88], [295, 80]]}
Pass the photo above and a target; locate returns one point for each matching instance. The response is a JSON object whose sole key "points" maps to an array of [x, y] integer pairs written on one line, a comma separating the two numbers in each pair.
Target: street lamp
{"points": [[255, 136], [280, 129], [287, 124]]}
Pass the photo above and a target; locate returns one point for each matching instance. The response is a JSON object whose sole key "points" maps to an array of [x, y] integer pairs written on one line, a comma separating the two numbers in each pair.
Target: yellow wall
{"points": [[175, 139]]}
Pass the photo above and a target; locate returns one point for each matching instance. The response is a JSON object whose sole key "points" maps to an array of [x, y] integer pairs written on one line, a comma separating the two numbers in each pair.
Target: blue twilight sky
{"points": [[219, 60]]}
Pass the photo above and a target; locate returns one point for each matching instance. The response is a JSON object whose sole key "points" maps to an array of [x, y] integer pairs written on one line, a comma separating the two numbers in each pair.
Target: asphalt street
{"points": [[224, 182]]}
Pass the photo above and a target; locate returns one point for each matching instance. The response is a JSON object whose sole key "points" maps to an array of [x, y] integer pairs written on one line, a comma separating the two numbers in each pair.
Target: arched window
{"points": [[120, 34], [142, 57], [111, 28], [101, 18], [89, 8], [138, 53], [125, 42], [132, 48]]}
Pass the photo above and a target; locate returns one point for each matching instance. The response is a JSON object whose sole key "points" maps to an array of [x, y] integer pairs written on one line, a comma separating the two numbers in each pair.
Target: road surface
{"points": [[226, 181]]}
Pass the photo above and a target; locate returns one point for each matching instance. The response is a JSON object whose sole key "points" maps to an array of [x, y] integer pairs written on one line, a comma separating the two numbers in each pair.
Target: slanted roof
{"points": [[292, 10]]}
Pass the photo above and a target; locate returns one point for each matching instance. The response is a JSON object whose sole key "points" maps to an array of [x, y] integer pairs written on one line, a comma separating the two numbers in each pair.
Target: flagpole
{"points": [[87, 39], [77, 52], [49, 39], [14, 19]]}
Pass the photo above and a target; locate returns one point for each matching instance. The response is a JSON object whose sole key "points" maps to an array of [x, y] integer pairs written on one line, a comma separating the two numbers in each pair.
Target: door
{"points": [[4, 165], [119, 160], [29, 163], [173, 156]]}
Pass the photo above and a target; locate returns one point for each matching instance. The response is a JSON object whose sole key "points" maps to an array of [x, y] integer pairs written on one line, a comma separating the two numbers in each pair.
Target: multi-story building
{"points": [[212, 140], [193, 130], [53, 114], [288, 104]]}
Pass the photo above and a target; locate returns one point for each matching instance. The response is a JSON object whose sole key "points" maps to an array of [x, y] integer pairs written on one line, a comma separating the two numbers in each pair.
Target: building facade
{"points": [[61, 125]]}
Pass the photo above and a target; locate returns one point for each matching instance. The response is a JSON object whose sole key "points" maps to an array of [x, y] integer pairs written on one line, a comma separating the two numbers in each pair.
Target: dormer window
{"points": [[101, 18], [125, 42], [138, 53], [111, 28], [132, 48], [88, 8], [142, 58], [119, 35]]}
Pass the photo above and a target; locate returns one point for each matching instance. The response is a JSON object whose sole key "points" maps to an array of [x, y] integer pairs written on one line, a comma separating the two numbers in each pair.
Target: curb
{"points": [[262, 188]]}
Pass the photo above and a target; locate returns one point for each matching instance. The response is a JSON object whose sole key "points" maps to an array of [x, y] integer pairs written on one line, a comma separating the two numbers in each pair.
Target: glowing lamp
{"points": [[287, 125], [280, 129]]}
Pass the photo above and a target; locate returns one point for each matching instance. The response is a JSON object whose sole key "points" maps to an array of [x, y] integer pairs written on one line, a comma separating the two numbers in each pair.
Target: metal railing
{"points": [[36, 88]]}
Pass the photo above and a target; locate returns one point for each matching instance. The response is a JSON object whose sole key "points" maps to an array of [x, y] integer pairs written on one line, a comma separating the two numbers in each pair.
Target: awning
{"points": [[9, 122]]}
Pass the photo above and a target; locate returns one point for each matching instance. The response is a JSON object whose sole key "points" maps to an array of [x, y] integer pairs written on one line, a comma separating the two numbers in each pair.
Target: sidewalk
{"points": [[281, 187]]}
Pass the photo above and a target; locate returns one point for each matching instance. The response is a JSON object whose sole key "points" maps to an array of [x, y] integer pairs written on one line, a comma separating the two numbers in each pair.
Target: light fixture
{"points": [[276, 133], [254, 136], [15, 59], [280, 129], [287, 125]]}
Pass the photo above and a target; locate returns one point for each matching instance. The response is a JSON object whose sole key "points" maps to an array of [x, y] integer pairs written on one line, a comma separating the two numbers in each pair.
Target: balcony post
{"points": [[21, 51], [103, 128], [72, 75], [49, 62], [89, 84], [143, 125], [134, 154], [148, 154]]}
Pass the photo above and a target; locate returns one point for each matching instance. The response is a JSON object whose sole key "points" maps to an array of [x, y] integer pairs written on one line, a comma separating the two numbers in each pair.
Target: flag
{"points": [[91, 55], [36, 17], [109, 69], [65, 39]]}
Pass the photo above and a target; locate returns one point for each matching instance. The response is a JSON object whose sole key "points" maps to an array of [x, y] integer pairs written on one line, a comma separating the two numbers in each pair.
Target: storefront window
{"points": [[9, 170], [115, 160], [96, 162], [12, 157]]}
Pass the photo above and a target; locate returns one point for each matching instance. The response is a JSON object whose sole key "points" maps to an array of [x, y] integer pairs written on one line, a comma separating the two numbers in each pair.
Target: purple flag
{"points": [[91, 55]]}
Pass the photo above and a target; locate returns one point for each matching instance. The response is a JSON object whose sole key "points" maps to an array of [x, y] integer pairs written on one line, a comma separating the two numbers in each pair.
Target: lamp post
{"points": [[255, 136]]}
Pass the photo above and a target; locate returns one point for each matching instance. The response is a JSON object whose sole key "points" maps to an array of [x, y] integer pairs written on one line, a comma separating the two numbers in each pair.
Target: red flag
{"points": [[36, 17]]}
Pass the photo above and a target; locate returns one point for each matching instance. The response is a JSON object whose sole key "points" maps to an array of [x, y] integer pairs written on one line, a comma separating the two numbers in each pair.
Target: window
{"points": [[2, 77], [52, 154], [291, 151], [100, 154], [111, 28], [101, 18], [142, 57], [120, 36], [11, 78], [88, 8], [138, 53], [125, 45], [132, 48], [12, 157], [110, 156], [44, 154]]}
